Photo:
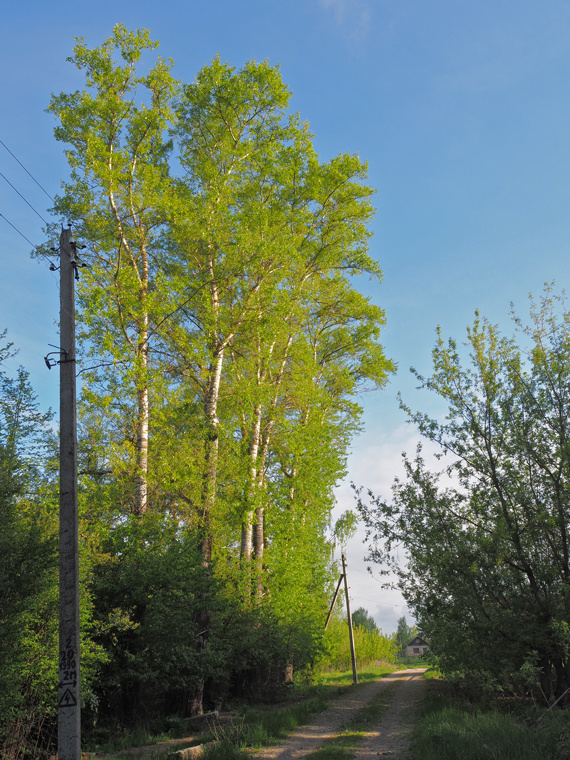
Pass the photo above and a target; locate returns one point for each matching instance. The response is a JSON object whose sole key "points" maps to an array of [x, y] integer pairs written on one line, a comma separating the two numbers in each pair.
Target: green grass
{"points": [[159, 754], [104, 741], [135, 738], [449, 730], [114, 748], [431, 674], [342, 747], [344, 677]]}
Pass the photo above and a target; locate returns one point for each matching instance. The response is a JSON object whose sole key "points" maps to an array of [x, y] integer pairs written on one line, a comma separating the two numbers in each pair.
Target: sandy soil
{"points": [[390, 738]]}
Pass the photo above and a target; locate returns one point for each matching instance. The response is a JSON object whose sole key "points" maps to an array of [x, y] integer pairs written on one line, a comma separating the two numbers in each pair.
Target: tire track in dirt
{"points": [[391, 738], [391, 732]]}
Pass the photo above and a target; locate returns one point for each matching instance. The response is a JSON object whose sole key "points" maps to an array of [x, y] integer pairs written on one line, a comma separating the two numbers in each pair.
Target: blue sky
{"points": [[461, 109]]}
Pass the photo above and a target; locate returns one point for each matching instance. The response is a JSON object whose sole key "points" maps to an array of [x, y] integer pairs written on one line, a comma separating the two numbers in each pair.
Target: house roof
{"points": [[418, 641]]}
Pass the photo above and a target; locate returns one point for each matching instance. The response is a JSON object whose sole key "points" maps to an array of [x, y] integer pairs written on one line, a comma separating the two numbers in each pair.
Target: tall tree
{"points": [[360, 617], [117, 199], [263, 230], [223, 321]]}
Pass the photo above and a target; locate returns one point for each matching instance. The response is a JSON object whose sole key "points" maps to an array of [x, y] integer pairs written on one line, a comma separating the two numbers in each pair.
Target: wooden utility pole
{"points": [[349, 616], [333, 601], [69, 712]]}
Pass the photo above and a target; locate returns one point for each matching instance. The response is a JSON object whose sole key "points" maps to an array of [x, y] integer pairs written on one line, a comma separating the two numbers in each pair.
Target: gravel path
{"points": [[390, 738]]}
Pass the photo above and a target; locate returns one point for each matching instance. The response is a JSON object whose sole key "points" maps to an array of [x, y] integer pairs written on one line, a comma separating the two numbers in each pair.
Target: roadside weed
{"points": [[448, 731]]}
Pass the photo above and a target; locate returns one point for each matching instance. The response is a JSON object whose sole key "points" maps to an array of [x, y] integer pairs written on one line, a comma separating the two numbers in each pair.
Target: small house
{"points": [[417, 647]]}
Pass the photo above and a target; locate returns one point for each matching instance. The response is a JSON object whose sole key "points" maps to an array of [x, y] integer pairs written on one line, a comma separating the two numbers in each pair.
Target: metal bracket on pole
{"points": [[52, 362]]}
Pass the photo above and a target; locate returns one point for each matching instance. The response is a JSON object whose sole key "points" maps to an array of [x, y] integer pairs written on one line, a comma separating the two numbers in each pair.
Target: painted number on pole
{"points": [[68, 675]]}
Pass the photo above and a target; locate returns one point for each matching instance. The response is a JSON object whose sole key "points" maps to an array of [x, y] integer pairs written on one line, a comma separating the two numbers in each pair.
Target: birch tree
{"points": [[117, 200], [276, 228], [239, 149]]}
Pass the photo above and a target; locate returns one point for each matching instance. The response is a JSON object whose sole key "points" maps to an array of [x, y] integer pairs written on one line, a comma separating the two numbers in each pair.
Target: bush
{"points": [[371, 647]]}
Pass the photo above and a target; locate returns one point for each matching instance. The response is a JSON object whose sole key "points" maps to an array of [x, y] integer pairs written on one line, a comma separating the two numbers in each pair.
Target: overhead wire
{"points": [[27, 172], [375, 601], [27, 239], [24, 199], [13, 226]]}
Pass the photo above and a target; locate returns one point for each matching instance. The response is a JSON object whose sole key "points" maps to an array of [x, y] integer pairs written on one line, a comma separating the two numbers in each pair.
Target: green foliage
{"points": [[28, 561], [361, 618], [371, 647], [448, 730], [28, 575], [223, 346], [151, 591], [488, 561], [147, 590]]}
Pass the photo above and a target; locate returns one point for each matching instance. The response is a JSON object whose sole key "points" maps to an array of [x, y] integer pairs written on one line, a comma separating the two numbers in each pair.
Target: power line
{"points": [[18, 231], [27, 172], [45, 255], [375, 601], [25, 201]]}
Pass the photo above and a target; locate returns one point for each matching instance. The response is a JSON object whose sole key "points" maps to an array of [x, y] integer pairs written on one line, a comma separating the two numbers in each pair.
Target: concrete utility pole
{"points": [[349, 616], [69, 712]]}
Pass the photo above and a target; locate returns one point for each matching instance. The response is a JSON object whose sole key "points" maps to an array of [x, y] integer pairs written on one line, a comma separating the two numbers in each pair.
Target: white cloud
{"points": [[353, 16], [375, 462]]}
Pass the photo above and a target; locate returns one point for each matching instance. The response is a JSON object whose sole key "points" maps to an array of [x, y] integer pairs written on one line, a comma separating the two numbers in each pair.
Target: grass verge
{"points": [[344, 677], [449, 729], [431, 674]]}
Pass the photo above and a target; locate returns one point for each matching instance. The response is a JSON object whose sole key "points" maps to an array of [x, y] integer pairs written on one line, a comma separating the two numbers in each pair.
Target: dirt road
{"points": [[390, 737]]}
